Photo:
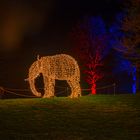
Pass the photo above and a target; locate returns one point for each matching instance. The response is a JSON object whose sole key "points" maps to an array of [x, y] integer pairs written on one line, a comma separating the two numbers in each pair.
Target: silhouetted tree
{"points": [[131, 28], [131, 24]]}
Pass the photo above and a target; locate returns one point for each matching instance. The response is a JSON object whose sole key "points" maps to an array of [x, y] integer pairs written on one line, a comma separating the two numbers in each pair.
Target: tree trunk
{"points": [[93, 89], [137, 76]]}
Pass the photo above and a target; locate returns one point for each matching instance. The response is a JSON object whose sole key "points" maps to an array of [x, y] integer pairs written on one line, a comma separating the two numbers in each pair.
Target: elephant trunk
{"points": [[32, 87]]}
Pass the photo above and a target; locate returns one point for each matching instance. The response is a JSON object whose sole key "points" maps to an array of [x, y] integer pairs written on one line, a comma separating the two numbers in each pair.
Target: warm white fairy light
{"points": [[56, 67]]}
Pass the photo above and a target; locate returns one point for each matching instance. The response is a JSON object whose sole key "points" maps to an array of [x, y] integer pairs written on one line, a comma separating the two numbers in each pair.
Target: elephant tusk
{"points": [[26, 80]]}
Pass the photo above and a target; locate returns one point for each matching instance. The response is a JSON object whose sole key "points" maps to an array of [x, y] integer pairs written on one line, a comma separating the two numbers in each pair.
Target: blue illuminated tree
{"points": [[131, 24], [121, 63]]}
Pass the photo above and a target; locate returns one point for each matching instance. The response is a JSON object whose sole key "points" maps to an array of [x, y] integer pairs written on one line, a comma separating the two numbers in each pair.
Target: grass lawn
{"points": [[99, 117]]}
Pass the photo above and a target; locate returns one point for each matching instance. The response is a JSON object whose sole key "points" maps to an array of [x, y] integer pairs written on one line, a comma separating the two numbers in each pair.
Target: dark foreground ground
{"points": [[99, 117]]}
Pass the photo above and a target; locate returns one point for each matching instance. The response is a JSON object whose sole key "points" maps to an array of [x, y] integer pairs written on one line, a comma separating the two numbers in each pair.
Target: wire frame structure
{"points": [[56, 67]]}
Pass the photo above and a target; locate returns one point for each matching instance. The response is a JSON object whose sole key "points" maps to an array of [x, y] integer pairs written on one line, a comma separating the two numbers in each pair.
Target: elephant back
{"points": [[60, 67]]}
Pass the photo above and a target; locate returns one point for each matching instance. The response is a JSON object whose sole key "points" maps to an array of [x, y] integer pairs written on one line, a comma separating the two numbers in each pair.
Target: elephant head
{"points": [[34, 72]]}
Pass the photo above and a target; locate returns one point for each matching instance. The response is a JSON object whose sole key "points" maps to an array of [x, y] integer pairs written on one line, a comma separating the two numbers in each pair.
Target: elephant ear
{"points": [[38, 62]]}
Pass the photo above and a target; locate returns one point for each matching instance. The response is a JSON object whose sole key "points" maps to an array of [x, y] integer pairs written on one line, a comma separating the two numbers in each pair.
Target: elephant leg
{"points": [[48, 87], [75, 88], [33, 89]]}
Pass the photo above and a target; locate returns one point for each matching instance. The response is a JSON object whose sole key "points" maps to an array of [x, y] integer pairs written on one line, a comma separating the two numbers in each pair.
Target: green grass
{"points": [[99, 117]]}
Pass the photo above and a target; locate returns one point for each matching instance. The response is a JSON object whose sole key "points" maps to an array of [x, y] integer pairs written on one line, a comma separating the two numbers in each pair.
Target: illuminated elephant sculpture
{"points": [[56, 67]]}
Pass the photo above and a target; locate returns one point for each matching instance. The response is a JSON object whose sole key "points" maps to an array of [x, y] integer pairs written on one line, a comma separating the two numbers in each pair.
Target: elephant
{"points": [[55, 67]]}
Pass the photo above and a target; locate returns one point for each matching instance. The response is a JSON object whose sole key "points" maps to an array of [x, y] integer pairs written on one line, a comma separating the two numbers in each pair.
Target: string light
{"points": [[56, 67], [1, 90]]}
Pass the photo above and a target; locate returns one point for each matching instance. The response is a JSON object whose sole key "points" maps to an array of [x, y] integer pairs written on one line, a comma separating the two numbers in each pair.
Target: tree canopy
{"points": [[131, 24]]}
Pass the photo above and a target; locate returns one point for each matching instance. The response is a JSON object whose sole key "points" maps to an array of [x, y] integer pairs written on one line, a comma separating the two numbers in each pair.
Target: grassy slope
{"points": [[100, 117]]}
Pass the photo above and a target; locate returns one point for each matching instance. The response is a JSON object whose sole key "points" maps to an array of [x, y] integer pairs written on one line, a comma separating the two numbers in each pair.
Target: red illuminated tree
{"points": [[90, 45]]}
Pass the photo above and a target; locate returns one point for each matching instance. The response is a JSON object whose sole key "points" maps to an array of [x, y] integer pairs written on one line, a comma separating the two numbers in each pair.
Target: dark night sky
{"points": [[31, 27]]}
